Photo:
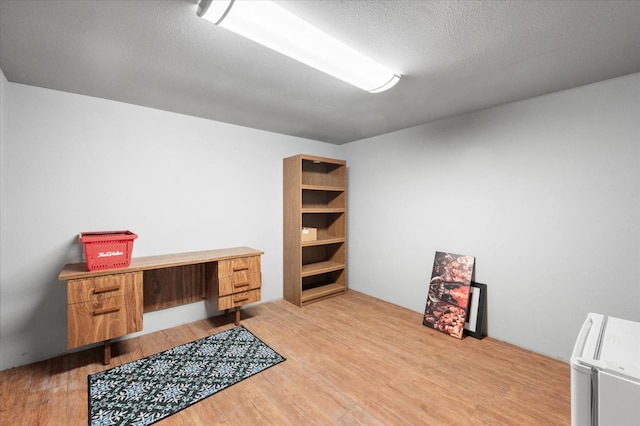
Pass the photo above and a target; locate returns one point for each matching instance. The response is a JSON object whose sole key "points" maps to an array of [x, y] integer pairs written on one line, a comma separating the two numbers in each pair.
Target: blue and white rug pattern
{"points": [[147, 390]]}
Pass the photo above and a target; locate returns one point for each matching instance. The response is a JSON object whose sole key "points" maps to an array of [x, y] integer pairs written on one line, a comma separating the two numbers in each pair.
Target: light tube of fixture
{"points": [[276, 28]]}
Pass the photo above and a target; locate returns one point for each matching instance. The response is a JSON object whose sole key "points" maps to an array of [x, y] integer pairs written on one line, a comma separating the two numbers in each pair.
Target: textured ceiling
{"points": [[454, 57]]}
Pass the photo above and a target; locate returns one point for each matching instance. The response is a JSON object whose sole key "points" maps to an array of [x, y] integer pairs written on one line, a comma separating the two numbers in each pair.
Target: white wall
{"points": [[72, 163], [3, 114], [545, 193]]}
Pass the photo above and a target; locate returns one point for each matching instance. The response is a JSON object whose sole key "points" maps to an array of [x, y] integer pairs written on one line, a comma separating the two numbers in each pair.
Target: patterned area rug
{"points": [[147, 390]]}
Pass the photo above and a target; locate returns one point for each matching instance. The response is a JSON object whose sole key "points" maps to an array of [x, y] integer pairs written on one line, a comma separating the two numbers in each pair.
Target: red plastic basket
{"points": [[107, 249]]}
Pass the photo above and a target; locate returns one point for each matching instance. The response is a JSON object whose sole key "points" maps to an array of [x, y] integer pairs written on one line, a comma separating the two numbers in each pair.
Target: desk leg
{"points": [[237, 315], [107, 352]]}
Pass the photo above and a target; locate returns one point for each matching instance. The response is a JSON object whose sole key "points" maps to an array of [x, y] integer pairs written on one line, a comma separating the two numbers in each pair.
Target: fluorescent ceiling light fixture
{"points": [[276, 28]]}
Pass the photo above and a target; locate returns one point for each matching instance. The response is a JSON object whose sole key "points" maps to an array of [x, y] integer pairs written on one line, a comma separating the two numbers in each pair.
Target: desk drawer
{"points": [[96, 321], [240, 267], [99, 288], [238, 299], [235, 284], [104, 307]]}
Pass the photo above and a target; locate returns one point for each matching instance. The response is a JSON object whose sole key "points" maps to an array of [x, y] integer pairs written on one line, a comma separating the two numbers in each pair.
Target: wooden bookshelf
{"points": [[315, 196]]}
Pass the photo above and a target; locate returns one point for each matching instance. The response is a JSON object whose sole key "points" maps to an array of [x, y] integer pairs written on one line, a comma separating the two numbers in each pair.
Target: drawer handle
{"points": [[106, 289], [240, 268], [241, 285], [106, 310], [244, 299]]}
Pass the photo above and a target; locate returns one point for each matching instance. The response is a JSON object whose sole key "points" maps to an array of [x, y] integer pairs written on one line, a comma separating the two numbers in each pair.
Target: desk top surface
{"points": [[73, 271]]}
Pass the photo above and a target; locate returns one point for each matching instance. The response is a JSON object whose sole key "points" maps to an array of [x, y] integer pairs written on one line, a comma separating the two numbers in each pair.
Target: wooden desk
{"points": [[103, 305]]}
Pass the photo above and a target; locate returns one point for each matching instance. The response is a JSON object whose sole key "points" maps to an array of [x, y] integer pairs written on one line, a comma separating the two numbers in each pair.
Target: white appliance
{"points": [[605, 373]]}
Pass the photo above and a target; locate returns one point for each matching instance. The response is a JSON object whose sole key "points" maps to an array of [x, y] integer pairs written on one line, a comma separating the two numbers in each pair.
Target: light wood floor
{"points": [[351, 360]]}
